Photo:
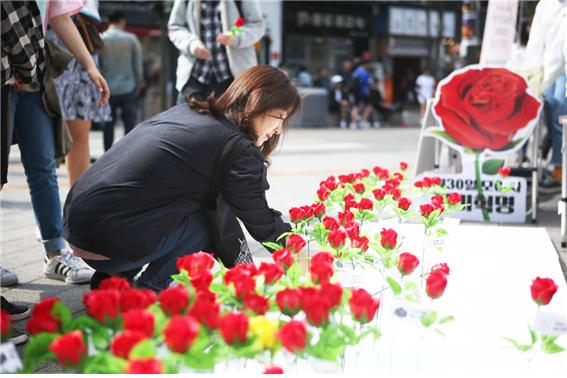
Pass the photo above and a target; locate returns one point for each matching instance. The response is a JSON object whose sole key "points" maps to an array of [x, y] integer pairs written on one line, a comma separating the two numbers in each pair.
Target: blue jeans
{"points": [[555, 105], [192, 236], [33, 129], [127, 105]]}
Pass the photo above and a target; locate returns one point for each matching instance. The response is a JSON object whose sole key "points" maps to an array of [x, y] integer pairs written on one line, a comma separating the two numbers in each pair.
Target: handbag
{"points": [[228, 240], [90, 30]]}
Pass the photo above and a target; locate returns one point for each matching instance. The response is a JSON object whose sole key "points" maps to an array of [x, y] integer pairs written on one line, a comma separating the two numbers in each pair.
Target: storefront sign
{"points": [[421, 22], [330, 20]]}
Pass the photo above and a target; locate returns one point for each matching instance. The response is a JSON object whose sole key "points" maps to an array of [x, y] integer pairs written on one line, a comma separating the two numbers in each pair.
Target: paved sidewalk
{"points": [[307, 157]]}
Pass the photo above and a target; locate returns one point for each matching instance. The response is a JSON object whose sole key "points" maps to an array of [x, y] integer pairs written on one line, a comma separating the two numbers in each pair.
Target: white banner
{"points": [[499, 32]]}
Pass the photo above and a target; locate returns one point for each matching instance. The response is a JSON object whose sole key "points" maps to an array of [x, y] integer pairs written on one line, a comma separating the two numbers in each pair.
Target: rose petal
{"points": [[453, 92], [462, 132]]}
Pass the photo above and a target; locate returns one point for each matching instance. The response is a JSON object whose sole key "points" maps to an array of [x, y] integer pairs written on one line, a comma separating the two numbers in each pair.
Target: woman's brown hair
{"points": [[254, 93]]}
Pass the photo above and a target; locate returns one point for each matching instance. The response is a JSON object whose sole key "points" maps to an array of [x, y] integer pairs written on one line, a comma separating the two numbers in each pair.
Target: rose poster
{"points": [[485, 113]]}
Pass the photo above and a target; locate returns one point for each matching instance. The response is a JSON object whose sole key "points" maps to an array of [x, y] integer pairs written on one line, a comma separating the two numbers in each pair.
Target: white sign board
{"points": [[499, 32]]}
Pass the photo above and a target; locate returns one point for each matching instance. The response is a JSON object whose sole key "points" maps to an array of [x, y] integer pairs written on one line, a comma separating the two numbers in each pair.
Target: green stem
{"points": [[479, 189]]}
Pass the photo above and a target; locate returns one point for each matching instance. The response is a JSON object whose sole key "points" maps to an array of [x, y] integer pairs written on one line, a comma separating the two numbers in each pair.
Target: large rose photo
{"points": [[485, 109]]}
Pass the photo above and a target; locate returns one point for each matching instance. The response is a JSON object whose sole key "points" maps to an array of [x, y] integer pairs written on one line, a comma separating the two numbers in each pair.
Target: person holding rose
{"points": [[144, 201], [216, 41]]}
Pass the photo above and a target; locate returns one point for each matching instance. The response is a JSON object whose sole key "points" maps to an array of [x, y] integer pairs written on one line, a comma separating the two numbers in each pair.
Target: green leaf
{"points": [[284, 235], [550, 347], [533, 335], [517, 345], [37, 351], [272, 245], [440, 232], [105, 363], [294, 273], [429, 318], [394, 285], [144, 349], [443, 135], [60, 310], [446, 319], [411, 298], [410, 286], [490, 167]]}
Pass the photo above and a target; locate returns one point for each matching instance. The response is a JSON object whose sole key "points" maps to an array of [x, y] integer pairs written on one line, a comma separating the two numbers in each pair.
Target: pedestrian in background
{"points": [[122, 65], [210, 55], [424, 89], [361, 80]]}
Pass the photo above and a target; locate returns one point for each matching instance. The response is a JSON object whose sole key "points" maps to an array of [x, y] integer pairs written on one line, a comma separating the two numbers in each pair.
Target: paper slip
{"points": [[551, 324], [404, 310], [9, 360]]}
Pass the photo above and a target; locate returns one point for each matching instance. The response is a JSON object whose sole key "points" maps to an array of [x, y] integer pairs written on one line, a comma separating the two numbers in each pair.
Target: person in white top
{"points": [[424, 88]]}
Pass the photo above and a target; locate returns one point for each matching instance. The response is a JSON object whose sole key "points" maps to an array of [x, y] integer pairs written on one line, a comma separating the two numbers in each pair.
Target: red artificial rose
{"points": [[396, 193], [388, 238], [426, 210], [379, 194], [293, 336], [123, 343], [484, 108], [102, 304], [504, 171], [139, 320], [180, 333], [361, 242], [418, 184], [271, 272], [43, 323], [349, 202], [317, 307], [145, 366], [118, 283], [244, 286], [404, 203], [289, 301], [363, 305], [256, 303], [454, 199], [283, 257], [239, 22], [442, 267], [323, 193], [365, 172], [330, 223], [201, 280], [295, 243], [206, 312], [399, 176], [206, 295], [196, 262], [234, 327], [5, 323], [345, 217], [403, 166], [392, 183], [407, 263], [365, 204], [69, 348], [308, 211], [334, 292], [136, 298], [240, 270], [427, 183], [337, 238], [323, 258], [359, 187], [296, 214], [346, 178], [321, 273], [318, 209], [435, 284], [437, 201], [543, 289], [174, 300], [352, 229], [45, 306], [436, 180], [273, 370]]}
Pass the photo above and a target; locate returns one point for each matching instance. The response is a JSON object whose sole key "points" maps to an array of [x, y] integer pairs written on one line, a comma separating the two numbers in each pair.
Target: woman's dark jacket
{"points": [[142, 188]]}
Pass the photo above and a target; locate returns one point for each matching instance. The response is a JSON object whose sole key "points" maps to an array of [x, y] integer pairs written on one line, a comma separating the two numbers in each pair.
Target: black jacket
{"points": [[142, 188]]}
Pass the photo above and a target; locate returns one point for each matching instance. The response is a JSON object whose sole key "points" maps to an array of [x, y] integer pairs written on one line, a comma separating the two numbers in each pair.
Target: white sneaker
{"points": [[67, 267], [377, 125], [353, 125], [551, 204], [343, 124], [7, 278], [364, 125]]}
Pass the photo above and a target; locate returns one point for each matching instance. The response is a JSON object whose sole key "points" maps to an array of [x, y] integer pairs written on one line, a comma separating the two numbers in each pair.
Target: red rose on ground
{"points": [[201, 280], [289, 301], [283, 257], [239, 22], [295, 243], [139, 320], [388, 238], [256, 303], [43, 323], [323, 258], [426, 210], [243, 286], [399, 176], [196, 262], [349, 202], [272, 272], [404, 203], [504, 171], [418, 184], [334, 292], [296, 214], [379, 194], [403, 166], [69, 348], [345, 217], [206, 312], [318, 209], [323, 193], [136, 298], [321, 273], [5, 323], [437, 201], [543, 289], [308, 211], [454, 199], [352, 229], [365, 204], [45, 306], [293, 336], [273, 370], [102, 304], [363, 305], [442, 267], [435, 284], [346, 178], [337, 238], [123, 343], [331, 223], [180, 333], [359, 187], [174, 300], [361, 242], [407, 263], [145, 366], [317, 307], [395, 193], [483, 108], [118, 283], [436, 180], [234, 327]]}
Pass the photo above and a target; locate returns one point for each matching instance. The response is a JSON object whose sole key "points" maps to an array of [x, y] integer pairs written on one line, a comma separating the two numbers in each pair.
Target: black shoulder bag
{"points": [[90, 30], [228, 240]]}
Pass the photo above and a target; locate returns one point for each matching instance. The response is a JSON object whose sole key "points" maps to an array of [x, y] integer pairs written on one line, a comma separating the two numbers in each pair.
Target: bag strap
{"points": [[234, 145]]}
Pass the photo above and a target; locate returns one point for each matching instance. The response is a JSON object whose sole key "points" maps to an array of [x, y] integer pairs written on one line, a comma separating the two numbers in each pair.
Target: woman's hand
{"points": [[100, 84], [226, 39]]}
